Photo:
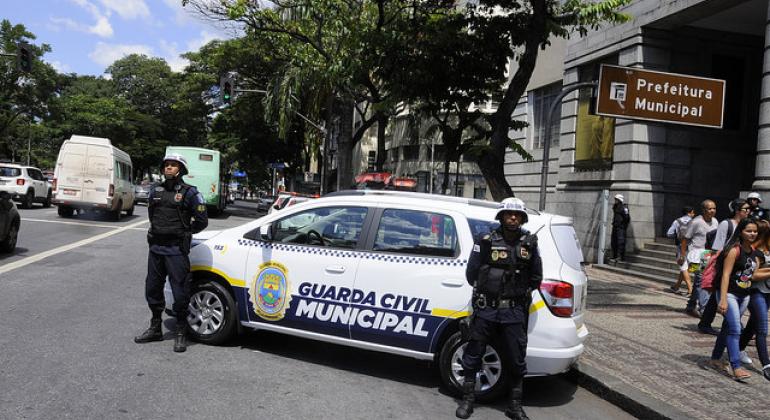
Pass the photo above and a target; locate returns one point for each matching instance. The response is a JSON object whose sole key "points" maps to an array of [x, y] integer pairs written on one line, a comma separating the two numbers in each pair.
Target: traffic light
{"points": [[226, 89], [24, 54]]}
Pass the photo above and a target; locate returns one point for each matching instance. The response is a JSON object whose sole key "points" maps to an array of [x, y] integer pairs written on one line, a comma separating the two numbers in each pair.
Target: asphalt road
{"points": [[72, 301]]}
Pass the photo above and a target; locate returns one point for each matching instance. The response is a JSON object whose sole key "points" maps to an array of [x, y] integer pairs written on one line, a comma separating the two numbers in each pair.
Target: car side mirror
{"points": [[265, 233]]}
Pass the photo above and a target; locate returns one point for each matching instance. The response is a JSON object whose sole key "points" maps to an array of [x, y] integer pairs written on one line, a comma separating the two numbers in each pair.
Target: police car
{"points": [[383, 271]]}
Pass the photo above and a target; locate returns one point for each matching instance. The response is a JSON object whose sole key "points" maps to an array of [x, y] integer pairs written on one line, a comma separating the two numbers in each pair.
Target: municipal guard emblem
{"points": [[523, 253], [269, 291], [178, 197], [495, 255], [503, 255]]}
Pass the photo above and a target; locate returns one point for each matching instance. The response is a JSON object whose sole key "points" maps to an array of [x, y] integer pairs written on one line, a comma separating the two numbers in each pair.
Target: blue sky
{"points": [[88, 35]]}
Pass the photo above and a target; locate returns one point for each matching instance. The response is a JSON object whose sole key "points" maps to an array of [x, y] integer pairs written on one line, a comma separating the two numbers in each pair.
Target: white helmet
{"points": [[620, 197], [176, 157], [512, 204], [754, 195]]}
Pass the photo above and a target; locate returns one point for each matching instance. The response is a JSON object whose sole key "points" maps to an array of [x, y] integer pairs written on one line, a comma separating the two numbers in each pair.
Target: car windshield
{"points": [[9, 171]]}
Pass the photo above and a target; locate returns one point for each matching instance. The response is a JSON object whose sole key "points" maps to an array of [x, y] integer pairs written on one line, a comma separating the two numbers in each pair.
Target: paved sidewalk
{"points": [[644, 349]]}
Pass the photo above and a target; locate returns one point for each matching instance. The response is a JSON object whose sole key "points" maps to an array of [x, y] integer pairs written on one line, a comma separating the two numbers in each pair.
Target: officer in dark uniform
{"points": [[177, 211], [757, 212], [620, 220], [504, 268]]}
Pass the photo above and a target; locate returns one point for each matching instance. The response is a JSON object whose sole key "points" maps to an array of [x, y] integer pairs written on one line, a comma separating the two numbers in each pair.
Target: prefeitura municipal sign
{"points": [[632, 93]]}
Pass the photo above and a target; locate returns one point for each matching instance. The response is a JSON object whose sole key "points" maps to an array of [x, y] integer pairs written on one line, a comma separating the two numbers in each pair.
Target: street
{"points": [[73, 299]]}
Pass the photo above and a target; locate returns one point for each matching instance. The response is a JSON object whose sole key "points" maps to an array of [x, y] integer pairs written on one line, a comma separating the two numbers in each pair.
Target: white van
{"points": [[92, 174]]}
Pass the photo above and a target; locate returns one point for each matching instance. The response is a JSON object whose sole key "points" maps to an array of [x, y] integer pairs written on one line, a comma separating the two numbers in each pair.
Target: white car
{"points": [[25, 184], [383, 271]]}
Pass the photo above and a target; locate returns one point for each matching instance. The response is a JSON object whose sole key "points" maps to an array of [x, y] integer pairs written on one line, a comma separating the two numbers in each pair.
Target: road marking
{"points": [[24, 219], [35, 258]]}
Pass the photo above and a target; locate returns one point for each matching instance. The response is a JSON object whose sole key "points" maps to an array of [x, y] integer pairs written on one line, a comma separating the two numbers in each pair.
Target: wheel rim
{"points": [[206, 313], [490, 372]]}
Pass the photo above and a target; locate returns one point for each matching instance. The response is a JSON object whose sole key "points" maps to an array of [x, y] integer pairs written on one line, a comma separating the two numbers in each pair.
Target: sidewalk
{"points": [[644, 354]]}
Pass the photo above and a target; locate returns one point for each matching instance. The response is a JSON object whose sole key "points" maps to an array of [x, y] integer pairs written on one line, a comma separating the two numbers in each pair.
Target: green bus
{"points": [[205, 173]]}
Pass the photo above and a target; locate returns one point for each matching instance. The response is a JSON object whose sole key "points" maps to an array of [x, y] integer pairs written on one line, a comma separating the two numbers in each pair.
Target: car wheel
{"points": [[491, 380], [116, 214], [211, 314], [130, 212], [26, 203], [9, 243], [65, 211], [47, 202]]}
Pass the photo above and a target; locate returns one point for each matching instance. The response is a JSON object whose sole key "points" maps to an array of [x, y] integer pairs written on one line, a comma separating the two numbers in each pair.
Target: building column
{"points": [[762, 170]]}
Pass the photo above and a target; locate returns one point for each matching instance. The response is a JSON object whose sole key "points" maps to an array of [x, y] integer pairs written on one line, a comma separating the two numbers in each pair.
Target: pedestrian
{"points": [[176, 210], [757, 212], [504, 268], [620, 220], [759, 303], [738, 263], [676, 232], [693, 245], [739, 210]]}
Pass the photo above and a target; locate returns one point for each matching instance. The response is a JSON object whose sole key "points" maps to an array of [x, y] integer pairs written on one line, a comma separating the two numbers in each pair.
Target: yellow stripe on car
{"points": [[536, 306], [232, 281], [449, 313]]}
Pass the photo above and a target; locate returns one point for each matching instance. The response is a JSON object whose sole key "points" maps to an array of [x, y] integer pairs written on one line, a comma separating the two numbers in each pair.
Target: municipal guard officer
{"points": [[177, 210], [757, 212], [504, 268], [620, 221]]}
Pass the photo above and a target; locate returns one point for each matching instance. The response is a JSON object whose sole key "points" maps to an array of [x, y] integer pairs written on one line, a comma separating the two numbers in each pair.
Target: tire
{"points": [[130, 212], [47, 202], [65, 211], [9, 243], [212, 313], [493, 379], [29, 198], [116, 214]]}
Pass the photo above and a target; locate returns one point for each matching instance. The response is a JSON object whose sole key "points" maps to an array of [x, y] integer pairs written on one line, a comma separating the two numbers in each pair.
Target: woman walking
{"points": [[739, 261], [759, 303]]}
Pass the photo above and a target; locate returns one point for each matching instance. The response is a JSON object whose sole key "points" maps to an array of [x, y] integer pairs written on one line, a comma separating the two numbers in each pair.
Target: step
{"points": [[666, 280], [666, 262], [657, 254], [646, 268], [655, 246], [663, 240]]}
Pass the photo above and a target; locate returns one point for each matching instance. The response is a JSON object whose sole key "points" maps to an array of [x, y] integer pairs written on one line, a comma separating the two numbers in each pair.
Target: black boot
{"points": [[180, 339], [154, 333], [515, 410], [465, 409]]}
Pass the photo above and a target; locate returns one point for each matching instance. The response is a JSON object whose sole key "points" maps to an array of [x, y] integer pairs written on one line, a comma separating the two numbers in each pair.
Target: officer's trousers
{"points": [[618, 242], [177, 267], [513, 334]]}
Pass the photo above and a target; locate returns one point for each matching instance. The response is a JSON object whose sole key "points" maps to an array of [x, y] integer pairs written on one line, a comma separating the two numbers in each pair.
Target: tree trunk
{"points": [[382, 122], [345, 145]]}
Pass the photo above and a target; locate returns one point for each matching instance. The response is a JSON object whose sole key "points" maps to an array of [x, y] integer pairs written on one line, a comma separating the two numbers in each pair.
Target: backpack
{"points": [[710, 238], [709, 275]]}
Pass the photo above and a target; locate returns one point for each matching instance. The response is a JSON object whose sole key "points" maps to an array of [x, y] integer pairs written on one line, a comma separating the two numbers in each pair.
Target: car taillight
{"points": [[559, 296], [20, 181], [112, 190], [53, 184]]}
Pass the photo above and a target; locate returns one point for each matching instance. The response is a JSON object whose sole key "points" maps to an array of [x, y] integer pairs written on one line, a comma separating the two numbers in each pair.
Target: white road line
{"points": [[76, 223], [64, 248]]}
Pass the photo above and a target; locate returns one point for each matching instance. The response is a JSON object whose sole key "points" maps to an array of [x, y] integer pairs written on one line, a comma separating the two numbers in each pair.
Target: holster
{"points": [[186, 243]]}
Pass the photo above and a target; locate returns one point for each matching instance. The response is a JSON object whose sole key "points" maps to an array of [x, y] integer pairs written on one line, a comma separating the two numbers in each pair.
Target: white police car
{"points": [[384, 271]]}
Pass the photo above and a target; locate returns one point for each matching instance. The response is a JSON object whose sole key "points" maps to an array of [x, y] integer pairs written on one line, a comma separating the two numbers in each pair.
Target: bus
{"points": [[205, 173]]}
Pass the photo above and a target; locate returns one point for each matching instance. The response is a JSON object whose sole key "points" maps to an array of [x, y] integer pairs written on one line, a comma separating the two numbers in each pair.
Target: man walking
{"points": [[620, 220], [504, 268], [176, 211], [693, 244]]}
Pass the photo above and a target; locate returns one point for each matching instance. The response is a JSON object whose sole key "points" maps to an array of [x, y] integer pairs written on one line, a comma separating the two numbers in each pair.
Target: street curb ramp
{"points": [[628, 398]]}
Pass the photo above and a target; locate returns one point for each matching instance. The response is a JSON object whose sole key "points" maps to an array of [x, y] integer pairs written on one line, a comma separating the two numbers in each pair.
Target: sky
{"points": [[86, 36]]}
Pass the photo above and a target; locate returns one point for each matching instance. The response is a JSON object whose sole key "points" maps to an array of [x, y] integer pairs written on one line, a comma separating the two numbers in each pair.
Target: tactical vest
{"points": [[506, 269], [171, 217]]}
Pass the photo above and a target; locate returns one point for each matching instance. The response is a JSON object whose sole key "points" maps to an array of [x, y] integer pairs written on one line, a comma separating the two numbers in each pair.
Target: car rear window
{"points": [[568, 245], [9, 171], [416, 232], [482, 226]]}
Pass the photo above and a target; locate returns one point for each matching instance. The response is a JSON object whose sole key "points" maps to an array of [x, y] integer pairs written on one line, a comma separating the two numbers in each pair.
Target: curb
{"points": [[620, 394]]}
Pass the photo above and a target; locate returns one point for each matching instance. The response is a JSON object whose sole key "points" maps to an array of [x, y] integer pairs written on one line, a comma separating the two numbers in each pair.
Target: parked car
{"points": [[10, 222], [25, 184], [383, 271], [286, 200], [142, 192], [264, 203]]}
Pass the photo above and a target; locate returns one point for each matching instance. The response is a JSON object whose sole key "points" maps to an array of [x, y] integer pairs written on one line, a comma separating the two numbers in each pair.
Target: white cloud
{"points": [[205, 38], [105, 54], [127, 9], [60, 67], [101, 28], [181, 14], [172, 56]]}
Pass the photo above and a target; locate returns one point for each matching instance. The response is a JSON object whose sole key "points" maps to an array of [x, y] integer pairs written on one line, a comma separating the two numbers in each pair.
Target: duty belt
{"points": [[482, 301]]}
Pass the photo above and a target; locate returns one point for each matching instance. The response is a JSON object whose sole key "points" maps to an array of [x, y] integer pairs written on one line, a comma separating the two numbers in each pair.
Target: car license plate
{"points": [[70, 192]]}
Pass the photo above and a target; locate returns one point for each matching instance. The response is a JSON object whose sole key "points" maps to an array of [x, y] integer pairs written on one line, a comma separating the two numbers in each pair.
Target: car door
{"points": [[302, 278], [417, 270], [39, 182]]}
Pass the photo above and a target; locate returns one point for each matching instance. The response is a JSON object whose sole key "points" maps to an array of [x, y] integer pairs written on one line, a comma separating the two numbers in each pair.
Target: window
{"points": [[35, 174], [416, 232], [338, 227], [206, 157], [460, 189], [9, 171], [480, 193], [412, 152], [541, 100], [479, 227]]}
